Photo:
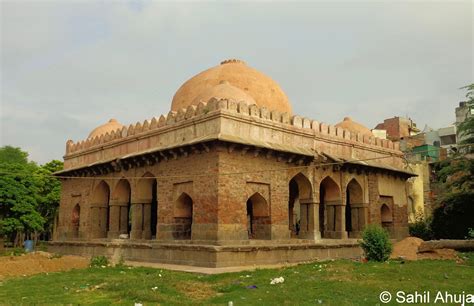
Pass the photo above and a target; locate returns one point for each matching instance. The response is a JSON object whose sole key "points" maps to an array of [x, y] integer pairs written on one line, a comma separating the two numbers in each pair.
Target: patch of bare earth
{"points": [[196, 290], [408, 249], [39, 262]]}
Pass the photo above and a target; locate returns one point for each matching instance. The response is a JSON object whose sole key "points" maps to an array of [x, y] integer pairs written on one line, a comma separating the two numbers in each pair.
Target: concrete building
{"points": [[229, 177]]}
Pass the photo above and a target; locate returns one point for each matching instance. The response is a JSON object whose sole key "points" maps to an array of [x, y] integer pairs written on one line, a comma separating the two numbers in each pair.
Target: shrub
{"points": [[421, 228], [470, 233], [99, 261], [376, 243]]}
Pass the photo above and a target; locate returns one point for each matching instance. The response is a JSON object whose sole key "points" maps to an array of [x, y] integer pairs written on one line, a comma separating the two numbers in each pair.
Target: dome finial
{"points": [[232, 61]]}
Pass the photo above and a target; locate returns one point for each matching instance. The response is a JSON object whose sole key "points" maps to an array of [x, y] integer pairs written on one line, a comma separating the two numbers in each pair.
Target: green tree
{"points": [[12, 155], [452, 218], [18, 199], [29, 195], [49, 193], [466, 128]]}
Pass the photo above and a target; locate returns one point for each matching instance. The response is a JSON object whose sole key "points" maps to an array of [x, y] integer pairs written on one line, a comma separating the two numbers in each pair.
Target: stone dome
{"points": [[354, 127], [224, 90], [263, 90], [103, 129]]}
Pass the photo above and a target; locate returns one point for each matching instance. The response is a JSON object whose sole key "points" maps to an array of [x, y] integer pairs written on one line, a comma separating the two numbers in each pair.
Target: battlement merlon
{"points": [[222, 119]]}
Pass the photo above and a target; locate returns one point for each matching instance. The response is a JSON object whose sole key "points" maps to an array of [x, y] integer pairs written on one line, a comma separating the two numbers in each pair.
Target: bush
{"points": [[99, 261], [470, 233], [376, 243], [421, 228]]}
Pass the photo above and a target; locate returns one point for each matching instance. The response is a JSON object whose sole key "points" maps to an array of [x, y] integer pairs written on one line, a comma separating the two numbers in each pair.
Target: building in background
{"points": [[397, 128], [422, 150]]}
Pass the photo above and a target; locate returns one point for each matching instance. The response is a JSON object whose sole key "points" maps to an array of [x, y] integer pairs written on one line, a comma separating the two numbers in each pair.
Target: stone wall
{"points": [[220, 182]]}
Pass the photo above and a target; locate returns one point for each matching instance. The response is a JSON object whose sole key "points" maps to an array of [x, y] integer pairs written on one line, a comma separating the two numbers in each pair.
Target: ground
{"points": [[331, 283]]}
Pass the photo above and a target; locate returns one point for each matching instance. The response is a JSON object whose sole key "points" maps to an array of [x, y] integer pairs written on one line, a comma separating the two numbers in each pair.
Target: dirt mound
{"points": [[39, 262], [408, 249]]}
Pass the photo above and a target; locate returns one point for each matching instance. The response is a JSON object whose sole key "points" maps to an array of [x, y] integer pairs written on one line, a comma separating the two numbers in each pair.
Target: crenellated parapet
{"points": [[320, 130]]}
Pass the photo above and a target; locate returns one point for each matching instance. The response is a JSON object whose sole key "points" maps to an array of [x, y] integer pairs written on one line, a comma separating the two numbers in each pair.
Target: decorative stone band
{"points": [[141, 201], [117, 203], [308, 202], [334, 203], [232, 107], [359, 205], [98, 205]]}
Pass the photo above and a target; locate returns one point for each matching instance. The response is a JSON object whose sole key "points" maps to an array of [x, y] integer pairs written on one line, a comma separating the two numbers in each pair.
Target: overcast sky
{"points": [[69, 66]]}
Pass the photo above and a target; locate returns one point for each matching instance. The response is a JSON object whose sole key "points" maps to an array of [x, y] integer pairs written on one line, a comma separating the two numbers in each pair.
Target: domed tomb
{"points": [[224, 91], [263, 90], [103, 129], [354, 127]]}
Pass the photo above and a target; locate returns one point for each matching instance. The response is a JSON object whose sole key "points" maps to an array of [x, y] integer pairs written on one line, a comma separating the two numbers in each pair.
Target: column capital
{"points": [[308, 201], [117, 203], [136, 200], [356, 205], [334, 203], [98, 205]]}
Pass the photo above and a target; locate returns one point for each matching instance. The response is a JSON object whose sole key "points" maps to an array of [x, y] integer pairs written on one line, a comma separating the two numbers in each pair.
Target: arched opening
{"points": [[120, 211], [258, 217], [294, 212], [386, 216], [329, 208], [76, 220], [147, 210], [300, 192], [355, 209], [183, 217], [100, 210]]}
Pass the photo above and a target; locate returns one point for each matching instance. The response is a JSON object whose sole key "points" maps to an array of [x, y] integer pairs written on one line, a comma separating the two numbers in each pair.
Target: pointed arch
{"points": [[183, 217], [300, 188], [258, 217], [101, 194], [120, 211], [329, 199], [100, 210], [355, 208], [146, 192]]}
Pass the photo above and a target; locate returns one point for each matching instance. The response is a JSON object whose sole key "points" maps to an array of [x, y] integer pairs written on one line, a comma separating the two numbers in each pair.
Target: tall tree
{"points": [[49, 193], [453, 217], [18, 195], [466, 128]]}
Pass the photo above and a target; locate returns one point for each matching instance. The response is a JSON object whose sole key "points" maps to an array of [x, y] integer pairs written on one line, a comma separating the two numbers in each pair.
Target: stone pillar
{"points": [[336, 220], [123, 219], [95, 225], [114, 220], [359, 215], [146, 221], [103, 221], [311, 229], [303, 219], [341, 232], [137, 221]]}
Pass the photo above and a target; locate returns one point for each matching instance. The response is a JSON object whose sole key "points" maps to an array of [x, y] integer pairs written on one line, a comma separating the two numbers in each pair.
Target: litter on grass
{"points": [[277, 280]]}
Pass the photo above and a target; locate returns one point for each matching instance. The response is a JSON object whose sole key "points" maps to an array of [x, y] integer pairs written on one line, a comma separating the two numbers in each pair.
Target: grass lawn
{"points": [[332, 282]]}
